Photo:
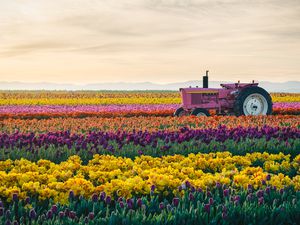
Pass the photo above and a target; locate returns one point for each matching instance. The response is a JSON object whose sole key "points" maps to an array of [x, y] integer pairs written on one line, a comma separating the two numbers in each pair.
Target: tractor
{"points": [[232, 99]]}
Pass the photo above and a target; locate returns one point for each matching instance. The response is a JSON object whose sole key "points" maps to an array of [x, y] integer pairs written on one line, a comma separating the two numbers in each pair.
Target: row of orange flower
{"points": [[150, 123]]}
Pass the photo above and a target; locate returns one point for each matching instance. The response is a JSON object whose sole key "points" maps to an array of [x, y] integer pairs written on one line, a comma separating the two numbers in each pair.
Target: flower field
{"points": [[116, 157]]}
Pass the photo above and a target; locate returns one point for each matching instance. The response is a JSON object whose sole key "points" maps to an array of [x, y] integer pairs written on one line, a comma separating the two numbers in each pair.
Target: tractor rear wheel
{"points": [[200, 112], [253, 101], [181, 112]]}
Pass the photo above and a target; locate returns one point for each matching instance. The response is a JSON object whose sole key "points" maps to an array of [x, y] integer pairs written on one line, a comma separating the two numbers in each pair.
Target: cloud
{"points": [[219, 33]]}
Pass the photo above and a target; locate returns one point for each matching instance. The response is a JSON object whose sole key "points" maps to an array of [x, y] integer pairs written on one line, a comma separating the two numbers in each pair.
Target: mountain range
{"points": [[290, 86]]}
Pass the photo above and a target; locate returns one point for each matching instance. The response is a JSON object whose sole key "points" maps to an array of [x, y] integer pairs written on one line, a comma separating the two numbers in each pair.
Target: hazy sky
{"points": [[163, 41]]}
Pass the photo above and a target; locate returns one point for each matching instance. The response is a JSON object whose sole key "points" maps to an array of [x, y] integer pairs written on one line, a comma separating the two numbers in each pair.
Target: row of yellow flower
{"points": [[127, 177], [88, 101], [106, 101], [87, 94], [106, 94]]}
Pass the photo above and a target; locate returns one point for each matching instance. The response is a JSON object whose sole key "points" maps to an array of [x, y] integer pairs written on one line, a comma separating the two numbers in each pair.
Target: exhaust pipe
{"points": [[205, 80]]}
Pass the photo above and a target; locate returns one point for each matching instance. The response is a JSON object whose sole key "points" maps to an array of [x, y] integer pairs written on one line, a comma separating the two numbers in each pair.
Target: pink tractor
{"points": [[232, 99]]}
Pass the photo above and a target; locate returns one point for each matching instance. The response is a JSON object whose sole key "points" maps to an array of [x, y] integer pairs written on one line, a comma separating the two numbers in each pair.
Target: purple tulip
{"points": [[191, 197], [15, 222], [139, 202], [224, 215], [187, 184], [226, 193], [211, 201], [218, 185], [8, 222], [237, 198], [259, 193], [175, 202], [1, 204], [32, 214], [108, 200], [268, 177], [268, 189], [71, 195], [91, 216], [67, 212], [263, 182], [180, 188], [7, 213], [281, 191], [121, 204], [129, 203], [140, 152], [153, 187], [200, 190], [72, 215], [261, 200], [95, 197], [27, 200], [54, 209], [102, 196], [49, 214], [207, 208], [192, 189], [15, 197], [249, 197], [161, 205], [61, 214]]}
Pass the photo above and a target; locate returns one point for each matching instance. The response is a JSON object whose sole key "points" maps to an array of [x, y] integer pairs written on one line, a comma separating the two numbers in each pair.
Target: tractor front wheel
{"points": [[200, 112], [181, 112]]}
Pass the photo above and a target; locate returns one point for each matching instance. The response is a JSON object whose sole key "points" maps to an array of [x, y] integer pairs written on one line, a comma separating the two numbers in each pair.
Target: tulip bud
{"points": [[108, 200], [95, 197], [102, 196], [175, 202], [153, 187], [27, 200], [61, 214], [54, 209], [281, 191], [139, 202], [207, 208], [191, 197], [224, 215], [32, 214], [72, 215], [226, 193], [91, 216], [7, 213], [71, 195], [211, 201], [49, 214], [15, 197], [161, 205], [261, 200]]}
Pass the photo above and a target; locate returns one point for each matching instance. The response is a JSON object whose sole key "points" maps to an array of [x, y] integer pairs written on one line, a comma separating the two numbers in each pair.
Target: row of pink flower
{"points": [[112, 108]]}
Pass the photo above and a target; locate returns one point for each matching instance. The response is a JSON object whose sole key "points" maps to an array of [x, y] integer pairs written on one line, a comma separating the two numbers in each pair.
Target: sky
{"points": [[161, 41]]}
